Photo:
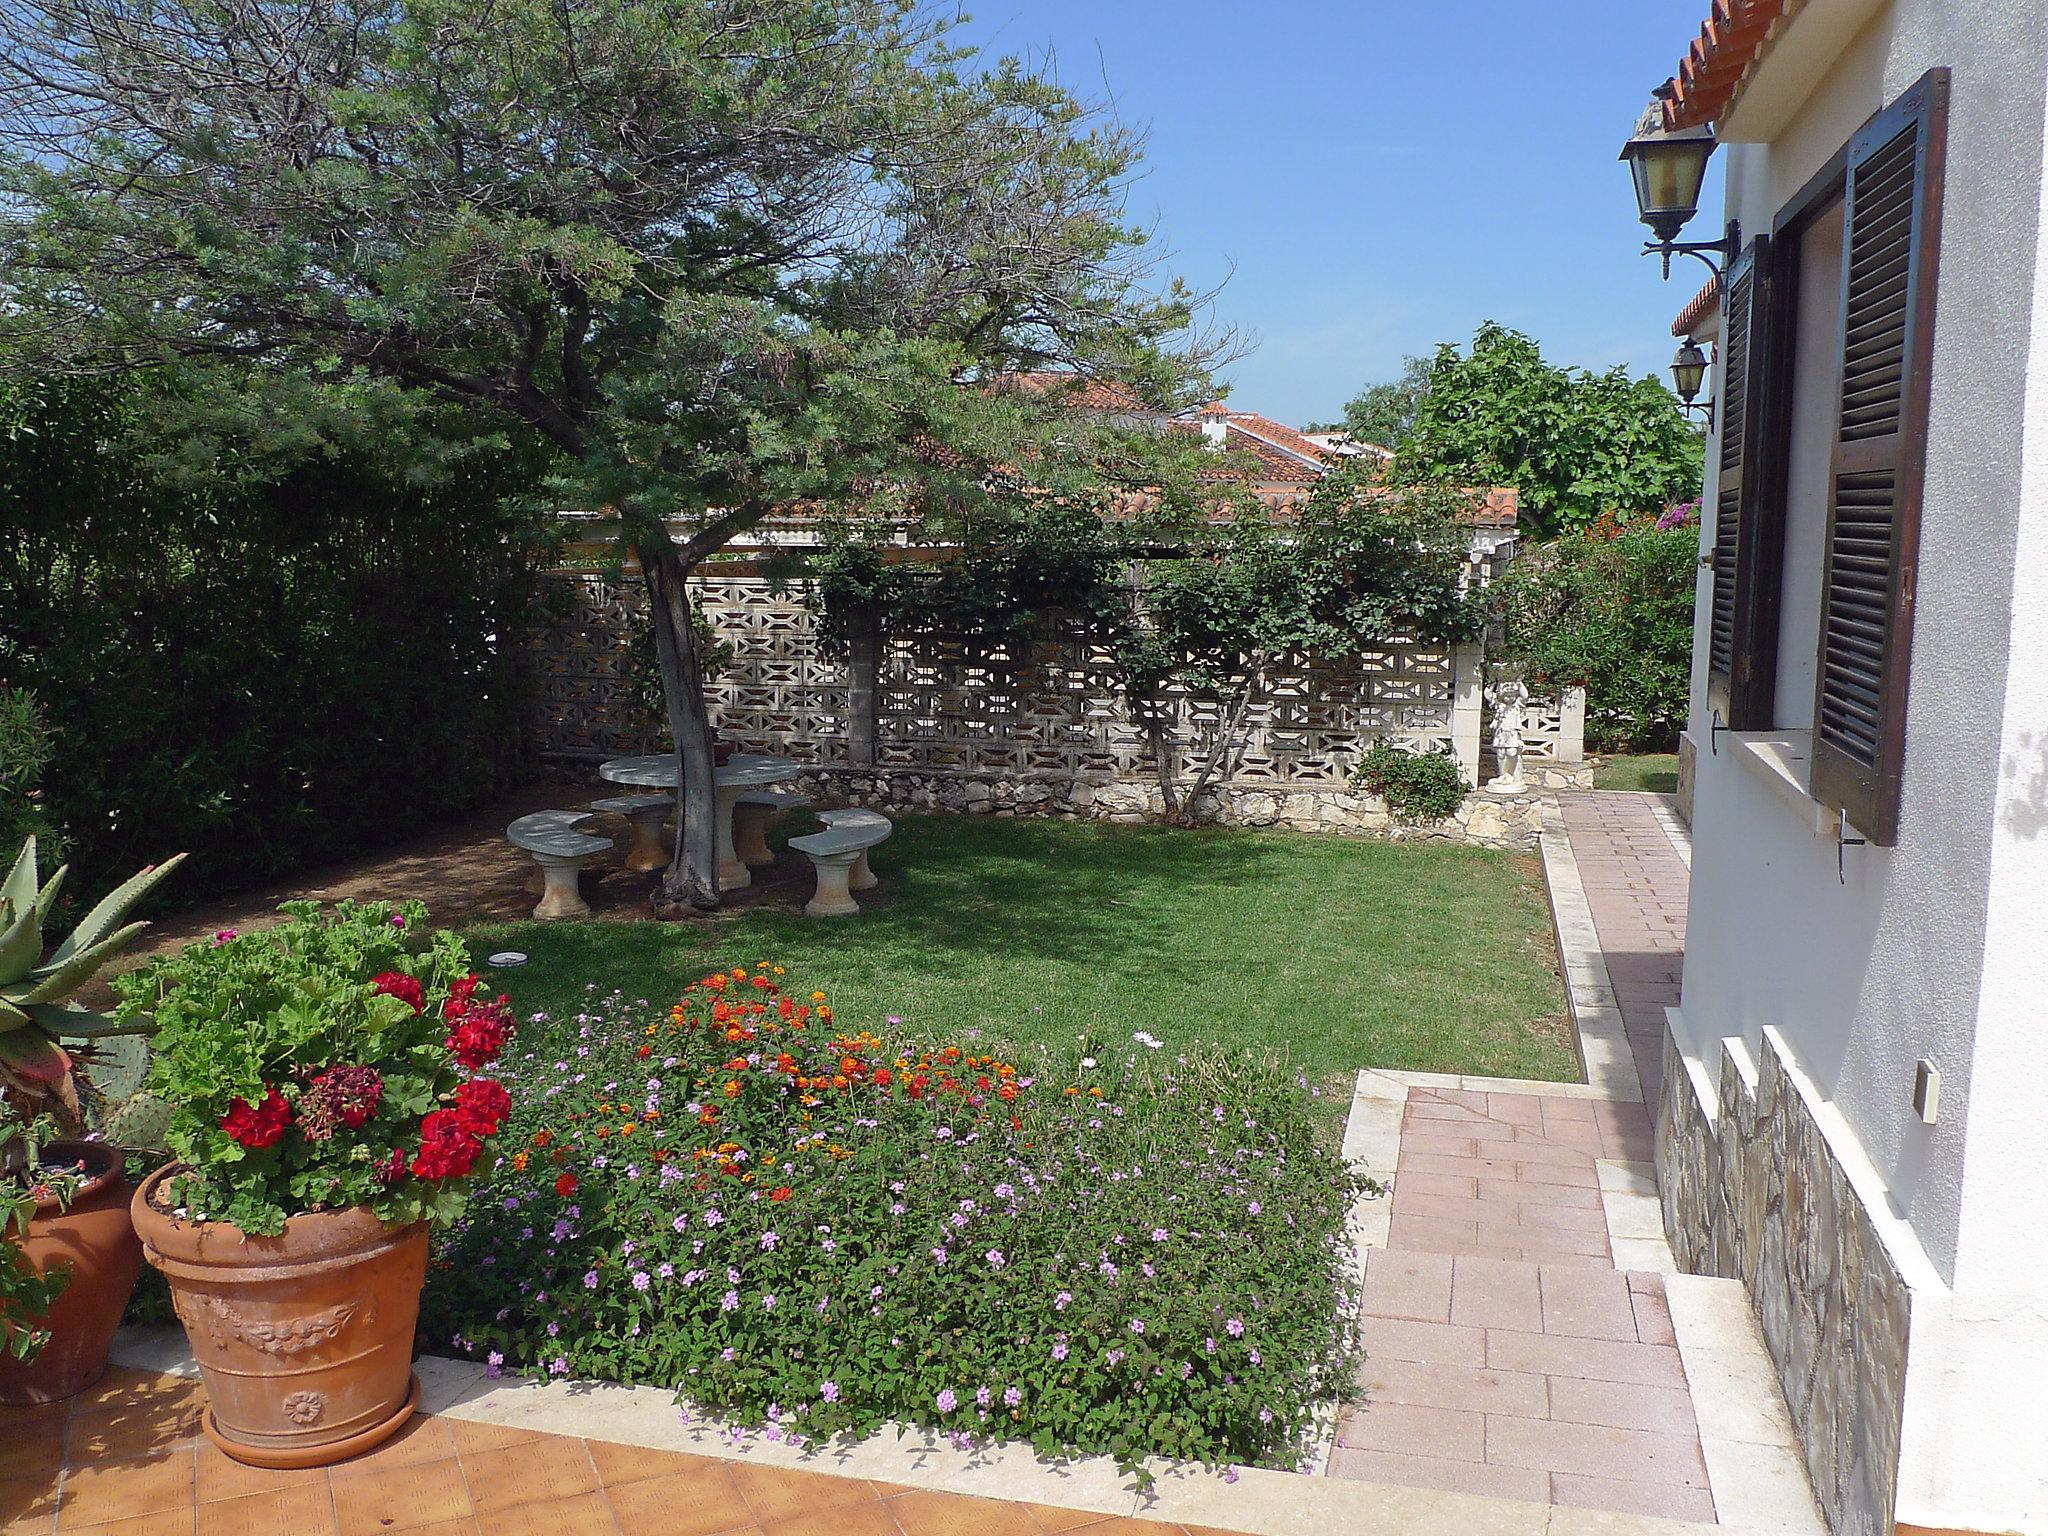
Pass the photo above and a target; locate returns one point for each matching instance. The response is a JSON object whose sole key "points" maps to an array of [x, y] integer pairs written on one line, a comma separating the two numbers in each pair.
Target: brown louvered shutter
{"points": [[1893, 218], [1740, 332]]}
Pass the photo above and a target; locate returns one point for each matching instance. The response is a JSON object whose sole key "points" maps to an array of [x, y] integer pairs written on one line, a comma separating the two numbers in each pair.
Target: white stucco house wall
{"points": [[1855, 1118]]}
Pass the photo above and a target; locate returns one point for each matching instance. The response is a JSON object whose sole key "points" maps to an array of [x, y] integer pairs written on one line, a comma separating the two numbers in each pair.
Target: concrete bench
{"points": [[845, 842], [751, 813], [646, 812], [561, 851]]}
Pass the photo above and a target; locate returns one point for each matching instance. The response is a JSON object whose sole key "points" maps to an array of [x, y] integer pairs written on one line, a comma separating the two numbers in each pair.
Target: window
{"points": [[1802, 388]]}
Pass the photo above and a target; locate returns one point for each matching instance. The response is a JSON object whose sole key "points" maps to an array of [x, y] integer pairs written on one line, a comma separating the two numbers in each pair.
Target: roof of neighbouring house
{"points": [[1081, 392], [1735, 35], [1702, 304]]}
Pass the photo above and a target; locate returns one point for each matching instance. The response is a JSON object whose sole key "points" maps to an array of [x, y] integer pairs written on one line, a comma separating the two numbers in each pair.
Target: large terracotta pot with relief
{"points": [[304, 1340], [92, 1239]]}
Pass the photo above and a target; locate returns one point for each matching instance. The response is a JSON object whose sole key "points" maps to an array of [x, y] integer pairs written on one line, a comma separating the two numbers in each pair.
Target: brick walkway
{"points": [[1635, 882], [125, 1459], [1506, 1355]]}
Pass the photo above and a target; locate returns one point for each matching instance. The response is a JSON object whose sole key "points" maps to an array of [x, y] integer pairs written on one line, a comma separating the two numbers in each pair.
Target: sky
{"points": [[1375, 177]]}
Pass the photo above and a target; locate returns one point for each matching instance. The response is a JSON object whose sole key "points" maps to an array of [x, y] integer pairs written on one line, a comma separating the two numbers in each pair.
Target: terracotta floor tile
{"points": [[28, 1505], [165, 1522], [777, 1493], [1623, 1405], [698, 1502], [952, 1514], [848, 1520], [552, 1468], [1453, 1386], [1437, 1473], [126, 1490], [125, 1388], [475, 1435], [1054, 1520], [1593, 1450], [1407, 1429], [423, 1439], [1131, 1525], [1427, 1343], [222, 1477], [32, 1450], [620, 1464], [306, 1510], [132, 1430], [585, 1514], [400, 1495]]}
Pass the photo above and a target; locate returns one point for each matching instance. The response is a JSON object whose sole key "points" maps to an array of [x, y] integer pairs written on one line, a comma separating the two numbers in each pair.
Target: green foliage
{"points": [[44, 1033], [1417, 786], [25, 753], [1118, 1248], [253, 1025], [1610, 610], [270, 659], [25, 1294], [1575, 444], [1385, 414]]}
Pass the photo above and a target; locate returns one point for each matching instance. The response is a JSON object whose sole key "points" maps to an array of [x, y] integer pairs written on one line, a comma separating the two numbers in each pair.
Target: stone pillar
{"points": [[1468, 676], [1571, 727], [862, 670]]}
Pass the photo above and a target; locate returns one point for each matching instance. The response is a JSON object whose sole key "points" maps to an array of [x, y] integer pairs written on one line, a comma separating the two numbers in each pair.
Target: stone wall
{"points": [[1752, 1191], [1484, 820]]}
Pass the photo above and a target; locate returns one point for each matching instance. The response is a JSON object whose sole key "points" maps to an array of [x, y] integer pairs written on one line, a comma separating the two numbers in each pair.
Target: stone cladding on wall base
{"points": [[1484, 820], [1753, 1191]]}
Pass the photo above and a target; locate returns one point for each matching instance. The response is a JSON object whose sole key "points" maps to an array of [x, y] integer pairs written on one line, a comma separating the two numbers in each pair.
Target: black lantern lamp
{"points": [[1688, 373], [1669, 166]]}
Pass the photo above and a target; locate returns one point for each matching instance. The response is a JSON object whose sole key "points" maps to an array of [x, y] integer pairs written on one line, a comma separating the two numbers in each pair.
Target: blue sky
{"points": [[1383, 175]]}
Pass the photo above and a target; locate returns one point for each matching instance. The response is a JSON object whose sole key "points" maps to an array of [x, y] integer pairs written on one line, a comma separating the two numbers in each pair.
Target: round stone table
{"points": [[742, 772]]}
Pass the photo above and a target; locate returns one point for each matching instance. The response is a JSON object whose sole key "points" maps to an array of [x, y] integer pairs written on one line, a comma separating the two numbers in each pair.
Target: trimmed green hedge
{"points": [[268, 671]]}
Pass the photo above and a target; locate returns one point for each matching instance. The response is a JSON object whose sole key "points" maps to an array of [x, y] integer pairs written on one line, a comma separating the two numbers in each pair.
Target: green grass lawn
{"points": [[1656, 772], [1343, 953]]}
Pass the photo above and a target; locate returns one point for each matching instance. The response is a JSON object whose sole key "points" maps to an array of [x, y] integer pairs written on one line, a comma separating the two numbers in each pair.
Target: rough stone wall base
{"points": [[1484, 820], [1752, 1191]]}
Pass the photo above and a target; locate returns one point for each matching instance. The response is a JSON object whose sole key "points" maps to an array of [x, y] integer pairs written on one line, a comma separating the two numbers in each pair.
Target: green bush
{"points": [[270, 668], [1610, 610], [1125, 1248], [25, 752], [1417, 786]]}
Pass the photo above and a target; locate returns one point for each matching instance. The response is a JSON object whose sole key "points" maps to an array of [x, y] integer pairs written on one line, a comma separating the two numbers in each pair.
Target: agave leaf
{"points": [[70, 1020], [60, 979], [46, 898], [19, 888], [36, 1056], [101, 919], [12, 1017], [21, 940]]}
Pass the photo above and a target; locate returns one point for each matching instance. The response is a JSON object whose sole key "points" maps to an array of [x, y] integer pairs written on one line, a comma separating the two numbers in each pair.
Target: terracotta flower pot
{"points": [[96, 1240], [304, 1340]]}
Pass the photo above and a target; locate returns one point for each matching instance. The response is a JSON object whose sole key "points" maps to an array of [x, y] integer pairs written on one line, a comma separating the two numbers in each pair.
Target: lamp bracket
{"points": [[1719, 255]]}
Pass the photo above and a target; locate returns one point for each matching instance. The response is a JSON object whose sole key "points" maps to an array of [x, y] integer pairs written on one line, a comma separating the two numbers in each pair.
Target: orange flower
{"points": [[732, 1088], [565, 1185], [783, 1193], [519, 1162], [542, 1138]]}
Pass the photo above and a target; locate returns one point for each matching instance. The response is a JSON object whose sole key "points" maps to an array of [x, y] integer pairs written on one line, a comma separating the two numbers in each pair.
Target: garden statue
{"points": [[1510, 697]]}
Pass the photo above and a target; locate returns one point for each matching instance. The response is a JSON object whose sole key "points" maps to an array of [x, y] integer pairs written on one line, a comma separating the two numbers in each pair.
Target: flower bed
{"points": [[814, 1229]]}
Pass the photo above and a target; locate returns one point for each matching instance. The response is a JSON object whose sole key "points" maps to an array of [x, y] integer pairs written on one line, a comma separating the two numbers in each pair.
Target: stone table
{"points": [[730, 780]]}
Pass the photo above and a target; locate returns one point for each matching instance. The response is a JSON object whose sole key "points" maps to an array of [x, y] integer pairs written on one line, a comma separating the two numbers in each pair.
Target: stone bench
{"points": [[646, 812], [751, 813], [561, 851], [845, 842]]}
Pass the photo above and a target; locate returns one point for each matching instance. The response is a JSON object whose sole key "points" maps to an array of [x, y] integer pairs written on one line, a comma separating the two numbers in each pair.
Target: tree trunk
{"points": [[691, 880]]}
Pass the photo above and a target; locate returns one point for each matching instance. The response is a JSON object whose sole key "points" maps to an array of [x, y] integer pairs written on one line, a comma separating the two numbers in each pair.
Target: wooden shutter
{"points": [[1741, 332], [1893, 216]]}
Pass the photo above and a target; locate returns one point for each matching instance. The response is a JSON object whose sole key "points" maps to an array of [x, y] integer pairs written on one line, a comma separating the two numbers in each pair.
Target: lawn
{"points": [[1343, 953], [1656, 772]]}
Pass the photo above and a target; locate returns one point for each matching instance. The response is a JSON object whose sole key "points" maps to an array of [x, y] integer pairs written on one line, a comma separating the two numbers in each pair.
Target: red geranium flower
{"points": [[477, 1032], [565, 1184], [483, 1105], [392, 1169], [459, 994], [448, 1146], [398, 984], [257, 1126]]}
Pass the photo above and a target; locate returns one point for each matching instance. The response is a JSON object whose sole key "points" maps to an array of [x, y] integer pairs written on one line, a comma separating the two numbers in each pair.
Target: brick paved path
{"points": [[1506, 1355]]}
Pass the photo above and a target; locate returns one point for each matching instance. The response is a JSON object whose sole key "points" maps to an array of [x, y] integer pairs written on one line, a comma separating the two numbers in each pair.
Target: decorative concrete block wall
{"points": [[1753, 1191]]}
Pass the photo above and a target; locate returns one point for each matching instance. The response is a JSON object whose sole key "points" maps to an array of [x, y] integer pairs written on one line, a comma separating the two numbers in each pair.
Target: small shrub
{"points": [[25, 752], [1417, 786], [814, 1229]]}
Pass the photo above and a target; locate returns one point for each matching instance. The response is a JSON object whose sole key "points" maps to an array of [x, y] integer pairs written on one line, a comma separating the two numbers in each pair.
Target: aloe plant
{"points": [[47, 1039]]}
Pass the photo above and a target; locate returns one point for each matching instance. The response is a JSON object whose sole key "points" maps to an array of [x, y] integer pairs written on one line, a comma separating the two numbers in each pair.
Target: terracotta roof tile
{"points": [[1702, 304], [1735, 35], [1081, 391]]}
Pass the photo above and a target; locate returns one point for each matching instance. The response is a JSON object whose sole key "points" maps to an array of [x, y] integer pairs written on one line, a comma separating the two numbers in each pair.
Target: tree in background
{"points": [[1576, 445], [1386, 413], [725, 257]]}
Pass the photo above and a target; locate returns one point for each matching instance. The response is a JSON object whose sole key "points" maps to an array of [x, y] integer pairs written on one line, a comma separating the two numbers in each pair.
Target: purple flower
{"points": [[946, 1401], [590, 1280], [223, 935], [983, 1396], [1012, 1397], [495, 1364], [768, 1242], [995, 1258], [1235, 1328], [641, 1280], [1137, 1325], [397, 921], [829, 1391], [1159, 1234], [1253, 1208]]}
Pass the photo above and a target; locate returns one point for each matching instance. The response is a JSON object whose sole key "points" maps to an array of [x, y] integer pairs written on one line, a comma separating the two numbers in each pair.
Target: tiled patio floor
{"points": [[1506, 1354], [126, 1459]]}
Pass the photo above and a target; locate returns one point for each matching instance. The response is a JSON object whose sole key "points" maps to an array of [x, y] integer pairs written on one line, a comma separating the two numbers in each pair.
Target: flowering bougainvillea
{"points": [[327, 1062], [810, 1228]]}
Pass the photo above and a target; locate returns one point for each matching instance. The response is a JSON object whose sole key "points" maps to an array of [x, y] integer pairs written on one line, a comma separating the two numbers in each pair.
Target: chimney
{"points": [[1215, 431]]}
